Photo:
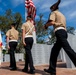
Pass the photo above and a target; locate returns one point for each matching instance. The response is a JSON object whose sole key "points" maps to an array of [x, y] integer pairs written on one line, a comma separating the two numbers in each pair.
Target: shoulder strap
{"points": [[30, 28]]}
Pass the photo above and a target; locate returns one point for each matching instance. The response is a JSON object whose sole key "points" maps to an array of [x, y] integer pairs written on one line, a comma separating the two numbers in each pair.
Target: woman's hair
{"points": [[13, 24], [29, 17]]}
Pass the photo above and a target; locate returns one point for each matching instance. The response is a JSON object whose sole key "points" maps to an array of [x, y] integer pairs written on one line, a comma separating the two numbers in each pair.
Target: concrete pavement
{"points": [[61, 69]]}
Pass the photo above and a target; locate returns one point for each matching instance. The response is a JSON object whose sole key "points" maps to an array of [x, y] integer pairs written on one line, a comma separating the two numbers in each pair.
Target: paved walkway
{"points": [[4, 70]]}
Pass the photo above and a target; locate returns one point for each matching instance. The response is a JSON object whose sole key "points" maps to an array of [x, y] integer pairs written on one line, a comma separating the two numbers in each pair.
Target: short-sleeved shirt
{"points": [[27, 26], [58, 17], [12, 34]]}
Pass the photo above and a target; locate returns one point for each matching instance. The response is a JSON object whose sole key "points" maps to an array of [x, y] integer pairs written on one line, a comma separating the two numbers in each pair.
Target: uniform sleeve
{"points": [[8, 33], [23, 27], [52, 16]]}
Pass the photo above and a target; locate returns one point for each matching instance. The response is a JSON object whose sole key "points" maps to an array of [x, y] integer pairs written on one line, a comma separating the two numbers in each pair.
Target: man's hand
{"points": [[49, 23]]}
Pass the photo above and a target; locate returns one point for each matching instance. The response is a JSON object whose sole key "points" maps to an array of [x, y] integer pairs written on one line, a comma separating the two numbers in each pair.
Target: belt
{"points": [[58, 28], [13, 41], [28, 36]]}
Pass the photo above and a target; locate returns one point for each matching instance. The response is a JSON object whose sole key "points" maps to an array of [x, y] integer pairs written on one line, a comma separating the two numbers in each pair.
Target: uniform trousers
{"points": [[61, 36], [28, 55], [12, 46]]}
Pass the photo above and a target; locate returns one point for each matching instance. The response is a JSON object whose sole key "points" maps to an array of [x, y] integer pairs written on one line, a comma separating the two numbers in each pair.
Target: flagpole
{"points": [[0, 56], [0, 48]]}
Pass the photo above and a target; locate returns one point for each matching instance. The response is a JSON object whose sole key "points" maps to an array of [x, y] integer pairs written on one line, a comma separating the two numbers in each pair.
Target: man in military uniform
{"points": [[58, 21], [12, 39], [27, 38]]}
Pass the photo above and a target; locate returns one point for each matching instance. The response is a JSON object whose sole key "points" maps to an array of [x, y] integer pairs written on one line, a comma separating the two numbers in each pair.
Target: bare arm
{"points": [[23, 36], [7, 40], [49, 23]]}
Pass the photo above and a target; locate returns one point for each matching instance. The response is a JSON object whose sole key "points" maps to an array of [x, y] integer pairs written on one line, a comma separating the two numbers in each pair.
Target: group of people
{"points": [[58, 21], [27, 39]]}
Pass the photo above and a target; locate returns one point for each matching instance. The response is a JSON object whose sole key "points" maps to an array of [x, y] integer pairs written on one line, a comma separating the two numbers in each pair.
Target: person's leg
{"points": [[31, 63], [12, 54], [62, 36], [25, 69], [70, 52], [53, 58], [11, 64], [29, 42], [10, 58]]}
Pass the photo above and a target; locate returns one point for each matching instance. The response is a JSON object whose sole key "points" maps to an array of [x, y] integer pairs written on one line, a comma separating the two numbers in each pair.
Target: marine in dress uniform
{"points": [[58, 21], [27, 29], [12, 39]]}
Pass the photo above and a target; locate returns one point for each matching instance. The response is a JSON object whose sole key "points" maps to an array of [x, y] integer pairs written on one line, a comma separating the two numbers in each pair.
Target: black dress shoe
{"points": [[24, 70], [12, 69], [49, 71], [52, 74], [9, 66], [31, 72]]}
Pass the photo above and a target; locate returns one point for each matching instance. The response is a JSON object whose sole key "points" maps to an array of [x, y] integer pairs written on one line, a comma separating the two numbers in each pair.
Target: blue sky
{"points": [[67, 7]]}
